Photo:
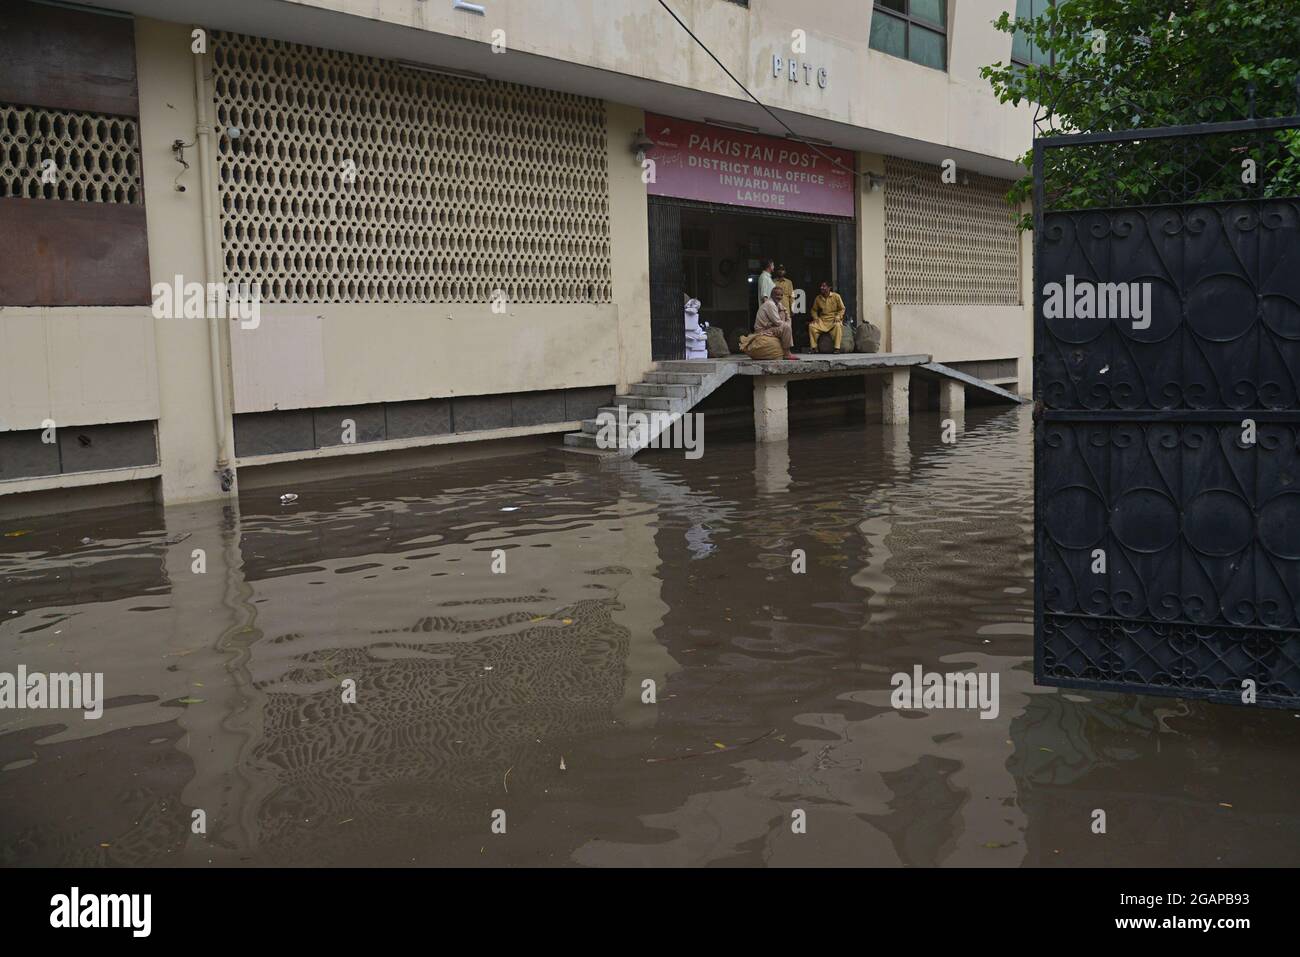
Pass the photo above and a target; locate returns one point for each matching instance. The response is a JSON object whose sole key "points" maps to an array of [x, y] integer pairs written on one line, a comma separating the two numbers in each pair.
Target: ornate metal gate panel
{"points": [[1167, 446]]}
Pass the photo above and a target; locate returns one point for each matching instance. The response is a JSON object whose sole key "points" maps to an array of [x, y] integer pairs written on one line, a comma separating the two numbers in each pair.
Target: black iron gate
{"points": [[1167, 447]]}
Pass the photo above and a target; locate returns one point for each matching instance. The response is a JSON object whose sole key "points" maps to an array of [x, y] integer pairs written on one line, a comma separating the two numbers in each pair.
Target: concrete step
{"points": [[581, 440], [660, 389], [587, 439], [647, 403], [675, 378], [686, 365], [592, 426]]}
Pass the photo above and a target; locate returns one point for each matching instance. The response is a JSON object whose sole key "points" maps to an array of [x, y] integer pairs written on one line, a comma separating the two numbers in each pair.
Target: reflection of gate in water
{"points": [[1167, 452]]}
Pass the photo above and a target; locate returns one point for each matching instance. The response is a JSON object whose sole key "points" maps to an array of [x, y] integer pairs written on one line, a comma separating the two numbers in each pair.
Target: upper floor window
{"points": [[916, 30], [1024, 51]]}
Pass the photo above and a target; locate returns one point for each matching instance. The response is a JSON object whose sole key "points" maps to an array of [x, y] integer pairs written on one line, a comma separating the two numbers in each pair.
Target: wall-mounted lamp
{"points": [[468, 7], [877, 181], [641, 144]]}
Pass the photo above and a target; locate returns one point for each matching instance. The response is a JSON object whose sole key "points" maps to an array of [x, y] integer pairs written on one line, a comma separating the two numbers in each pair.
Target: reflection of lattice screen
{"points": [[462, 187], [948, 243], [96, 157]]}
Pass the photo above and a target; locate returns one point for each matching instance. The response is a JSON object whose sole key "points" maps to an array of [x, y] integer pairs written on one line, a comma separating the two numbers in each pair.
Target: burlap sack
{"points": [[717, 343], [762, 347], [868, 337]]}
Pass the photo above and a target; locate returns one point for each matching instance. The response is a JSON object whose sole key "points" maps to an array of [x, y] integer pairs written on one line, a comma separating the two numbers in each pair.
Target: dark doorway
{"points": [[715, 253]]}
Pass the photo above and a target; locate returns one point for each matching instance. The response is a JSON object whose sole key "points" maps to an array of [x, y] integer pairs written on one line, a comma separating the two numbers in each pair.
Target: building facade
{"points": [[250, 241]]}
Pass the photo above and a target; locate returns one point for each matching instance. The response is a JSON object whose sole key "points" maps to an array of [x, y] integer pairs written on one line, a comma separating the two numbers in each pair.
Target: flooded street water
{"points": [[523, 691]]}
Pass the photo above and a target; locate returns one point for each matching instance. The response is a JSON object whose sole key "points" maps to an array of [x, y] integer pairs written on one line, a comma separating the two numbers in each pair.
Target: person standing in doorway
{"points": [[765, 282], [827, 316], [787, 293], [787, 289]]}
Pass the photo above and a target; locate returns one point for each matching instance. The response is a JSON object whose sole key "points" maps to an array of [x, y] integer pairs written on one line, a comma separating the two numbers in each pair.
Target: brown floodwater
{"points": [[523, 690]]}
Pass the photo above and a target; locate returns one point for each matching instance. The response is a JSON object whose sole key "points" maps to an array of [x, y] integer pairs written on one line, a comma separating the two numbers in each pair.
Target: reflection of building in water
{"points": [[810, 655], [445, 707], [470, 685]]}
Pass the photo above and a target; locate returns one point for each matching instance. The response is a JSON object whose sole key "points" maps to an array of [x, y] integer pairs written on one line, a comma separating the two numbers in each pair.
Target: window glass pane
{"points": [[928, 48], [1020, 47], [899, 5], [888, 34], [1023, 48], [935, 11]]}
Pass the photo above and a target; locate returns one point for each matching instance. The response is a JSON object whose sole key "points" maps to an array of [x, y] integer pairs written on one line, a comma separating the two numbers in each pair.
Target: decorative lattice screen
{"points": [[96, 158], [461, 187], [948, 243]]}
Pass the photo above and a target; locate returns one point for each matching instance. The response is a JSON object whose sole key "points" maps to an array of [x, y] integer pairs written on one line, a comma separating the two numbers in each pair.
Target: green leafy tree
{"points": [[1121, 64]]}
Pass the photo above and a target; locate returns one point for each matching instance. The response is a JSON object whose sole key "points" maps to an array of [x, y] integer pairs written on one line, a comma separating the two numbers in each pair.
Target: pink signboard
{"points": [[717, 165]]}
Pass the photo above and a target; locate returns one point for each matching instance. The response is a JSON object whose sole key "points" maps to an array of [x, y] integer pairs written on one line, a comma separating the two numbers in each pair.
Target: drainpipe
{"points": [[217, 333]]}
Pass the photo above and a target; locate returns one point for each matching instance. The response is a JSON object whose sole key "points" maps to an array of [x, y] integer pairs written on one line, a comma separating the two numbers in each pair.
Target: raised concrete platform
{"points": [[812, 366], [677, 386]]}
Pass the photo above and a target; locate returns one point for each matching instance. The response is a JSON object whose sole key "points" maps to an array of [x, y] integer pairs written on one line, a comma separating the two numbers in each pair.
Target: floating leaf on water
{"points": [[190, 700]]}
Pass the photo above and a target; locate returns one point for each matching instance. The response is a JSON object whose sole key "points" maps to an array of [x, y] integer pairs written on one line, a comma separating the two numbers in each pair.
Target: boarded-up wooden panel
{"points": [[61, 253], [69, 59]]}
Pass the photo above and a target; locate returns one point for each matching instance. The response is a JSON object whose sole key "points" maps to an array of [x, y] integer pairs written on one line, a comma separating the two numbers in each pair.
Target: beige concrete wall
{"points": [[187, 441], [342, 354], [630, 244], [871, 246], [865, 88], [76, 366], [961, 333]]}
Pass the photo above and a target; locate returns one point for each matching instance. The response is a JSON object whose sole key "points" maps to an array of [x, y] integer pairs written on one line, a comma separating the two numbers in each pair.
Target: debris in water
{"points": [[288, 498], [562, 767]]}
